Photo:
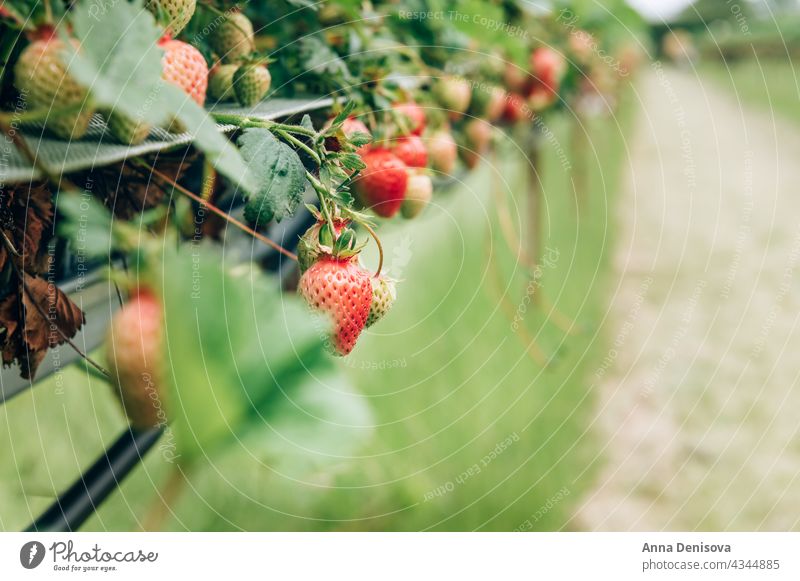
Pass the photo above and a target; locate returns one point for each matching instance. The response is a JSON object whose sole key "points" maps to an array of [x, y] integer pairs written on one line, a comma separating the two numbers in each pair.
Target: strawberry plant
{"points": [[189, 86]]}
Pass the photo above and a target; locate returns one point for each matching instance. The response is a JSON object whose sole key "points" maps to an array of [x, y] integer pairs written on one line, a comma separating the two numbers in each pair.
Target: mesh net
{"points": [[97, 147]]}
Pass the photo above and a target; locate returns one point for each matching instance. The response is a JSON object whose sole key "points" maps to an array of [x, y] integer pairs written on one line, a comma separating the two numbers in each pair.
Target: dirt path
{"points": [[699, 406]]}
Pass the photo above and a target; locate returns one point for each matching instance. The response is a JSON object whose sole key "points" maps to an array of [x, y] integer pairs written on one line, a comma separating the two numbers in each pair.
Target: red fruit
{"points": [[516, 108], [134, 350], [382, 184], [414, 115], [443, 151], [185, 67], [352, 125], [547, 67], [411, 150], [342, 290]]}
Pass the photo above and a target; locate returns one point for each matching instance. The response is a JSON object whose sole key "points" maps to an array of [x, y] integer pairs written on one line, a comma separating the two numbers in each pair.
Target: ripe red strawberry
{"points": [[383, 297], [251, 83], [454, 94], [41, 76], [173, 14], [233, 39], [442, 151], [340, 289], [184, 66], [418, 194], [547, 67], [411, 150], [515, 109], [350, 126], [414, 116], [134, 350], [382, 184]]}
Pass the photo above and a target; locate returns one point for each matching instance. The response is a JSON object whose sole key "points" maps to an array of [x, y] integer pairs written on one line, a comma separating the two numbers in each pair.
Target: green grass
{"points": [[771, 85], [465, 382]]}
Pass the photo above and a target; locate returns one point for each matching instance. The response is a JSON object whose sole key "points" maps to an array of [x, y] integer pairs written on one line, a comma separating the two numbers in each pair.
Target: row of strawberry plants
{"points": [[413, 92]]}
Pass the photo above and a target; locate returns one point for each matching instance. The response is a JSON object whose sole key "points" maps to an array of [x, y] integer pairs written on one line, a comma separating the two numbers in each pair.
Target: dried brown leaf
{"points": [[63, 316]]}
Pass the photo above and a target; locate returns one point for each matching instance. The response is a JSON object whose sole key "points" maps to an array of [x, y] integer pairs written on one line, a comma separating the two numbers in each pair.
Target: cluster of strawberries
{"points": [[41, 73], [396, 180]]}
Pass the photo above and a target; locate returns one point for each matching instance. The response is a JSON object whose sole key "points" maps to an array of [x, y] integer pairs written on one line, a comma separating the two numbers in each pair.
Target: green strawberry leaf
{"points": [[306, 123], [119, 59], [218, 150], [85, 223], [245, 361], [352, 161], [342, 115], [319, 58], [318, 422], [358, 138], [279, 173]]}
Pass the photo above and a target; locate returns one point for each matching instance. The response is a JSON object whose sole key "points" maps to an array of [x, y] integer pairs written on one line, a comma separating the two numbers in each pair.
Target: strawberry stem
{"points": [[374, 235], [222, 214], [247, 122], [322, 192], [297, 143]]}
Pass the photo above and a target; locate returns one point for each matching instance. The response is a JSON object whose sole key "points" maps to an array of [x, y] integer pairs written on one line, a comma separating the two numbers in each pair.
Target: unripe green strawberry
{"points": [[134, 348], [340, 289], [234, 39], [384, 294], [41, 76], [220, 82], [251, 83], [418, 195], [174, 15], [125, 129], [454, 94], [442, 151]]}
